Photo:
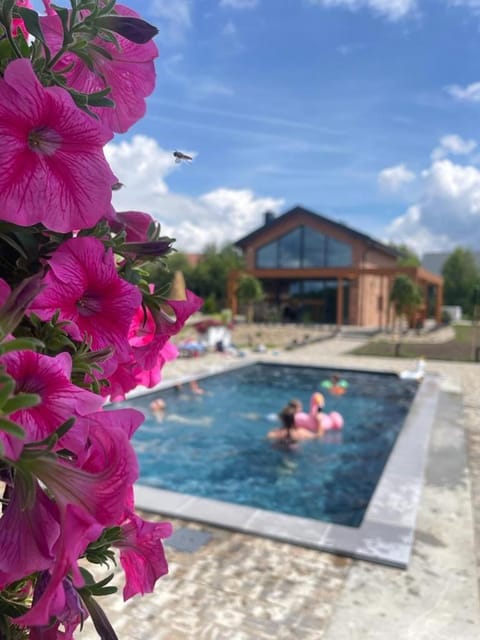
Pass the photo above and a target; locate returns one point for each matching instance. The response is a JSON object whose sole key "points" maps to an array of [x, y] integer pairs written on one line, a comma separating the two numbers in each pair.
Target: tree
{"points": [[460, 275], [162, 277], [249, 291], [209, 278], [407, 257], [406, 298]]}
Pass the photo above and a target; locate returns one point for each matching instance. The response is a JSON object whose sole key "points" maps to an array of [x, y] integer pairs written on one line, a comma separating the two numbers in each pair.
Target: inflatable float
{"points": [[414, 374], [304, 420], [335, 386]]}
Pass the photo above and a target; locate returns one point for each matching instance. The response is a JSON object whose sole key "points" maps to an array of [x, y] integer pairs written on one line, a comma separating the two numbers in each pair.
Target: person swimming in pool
{"points": [[336, 386], [288, 430], [312, 422]]}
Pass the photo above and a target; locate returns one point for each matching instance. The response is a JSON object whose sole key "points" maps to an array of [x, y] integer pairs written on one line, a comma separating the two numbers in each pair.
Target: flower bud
{"points": [[133, 29]]}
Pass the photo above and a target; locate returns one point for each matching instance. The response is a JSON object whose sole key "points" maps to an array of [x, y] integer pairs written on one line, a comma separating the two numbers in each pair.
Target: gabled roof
{"points": [[293, 213]]}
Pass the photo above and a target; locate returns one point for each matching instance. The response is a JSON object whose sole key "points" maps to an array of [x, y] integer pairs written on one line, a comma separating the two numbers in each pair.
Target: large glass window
{"points": [[312, 288], [295, 288], [290, 249], [339, 254], [313, 248], [304, 248], [267, 256]]}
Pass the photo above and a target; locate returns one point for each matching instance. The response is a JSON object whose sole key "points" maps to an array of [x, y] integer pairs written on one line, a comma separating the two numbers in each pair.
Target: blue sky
{"points": [[366, 111]]}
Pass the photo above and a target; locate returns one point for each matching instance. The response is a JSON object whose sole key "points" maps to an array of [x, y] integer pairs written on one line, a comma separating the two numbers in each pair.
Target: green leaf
{"points": [[6, 12], [64, 14], [21, 344], [99, 619], [65, 427], [8, 240], [21, 401], [12, 428], [101, 51], [97, 99], [7, 387], [32, 22]]}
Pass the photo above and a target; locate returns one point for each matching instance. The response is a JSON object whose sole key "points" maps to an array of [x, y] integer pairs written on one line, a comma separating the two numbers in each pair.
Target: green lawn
{"points": [[460, 349]]}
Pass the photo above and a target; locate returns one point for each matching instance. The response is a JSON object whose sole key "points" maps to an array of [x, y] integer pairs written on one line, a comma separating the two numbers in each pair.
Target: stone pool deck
{"points": [[240, 587]]}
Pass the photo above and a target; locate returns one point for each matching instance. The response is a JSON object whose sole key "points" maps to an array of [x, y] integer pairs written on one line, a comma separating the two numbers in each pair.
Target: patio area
{"points": [[232, 586]]}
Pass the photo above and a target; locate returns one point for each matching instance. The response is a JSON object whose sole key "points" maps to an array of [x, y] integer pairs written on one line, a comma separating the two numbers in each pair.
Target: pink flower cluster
{"points": [[78, 321]]}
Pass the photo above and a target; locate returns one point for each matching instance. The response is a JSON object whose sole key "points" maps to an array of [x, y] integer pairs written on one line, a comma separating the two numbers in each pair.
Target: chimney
{"points": [[269, 217]]}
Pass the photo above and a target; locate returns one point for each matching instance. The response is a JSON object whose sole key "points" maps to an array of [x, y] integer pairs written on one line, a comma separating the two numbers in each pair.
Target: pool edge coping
{"points": [[386, 533]]}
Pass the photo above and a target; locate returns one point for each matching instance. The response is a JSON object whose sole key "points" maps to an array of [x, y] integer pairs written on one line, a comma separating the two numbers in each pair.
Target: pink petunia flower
{"points": [[151, 377], [135, 224], [70, 617], [131, 374], [100, 482], [29, 530], [83, 284], [149, 336], [49, 377], [130, 73], [50, 147], [142, 555], [78, 530], [89, 497]]}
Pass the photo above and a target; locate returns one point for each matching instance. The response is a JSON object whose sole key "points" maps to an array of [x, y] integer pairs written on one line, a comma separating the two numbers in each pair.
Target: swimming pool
{"points": [[214, 446]]}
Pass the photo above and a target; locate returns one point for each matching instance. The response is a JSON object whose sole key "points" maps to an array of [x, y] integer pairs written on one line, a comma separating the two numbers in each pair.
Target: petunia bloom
{"points": [[82, 283], [135, 224], [130, 72], [70, 616], [89, 497], [78, 530], [149, 336], [50, 147], [29, 530], [131, 374], [142, 555], [49, 377]]}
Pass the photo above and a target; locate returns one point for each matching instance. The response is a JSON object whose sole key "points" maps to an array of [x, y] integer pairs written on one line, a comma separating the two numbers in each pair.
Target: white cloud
{"points": [[447, 212], [469, 93], [472, 4], [392, 179], [197, 87], [453, 145], [174, 15], [391, 9], [206, 87], [222, 215], [229, 29], [239, 4]]}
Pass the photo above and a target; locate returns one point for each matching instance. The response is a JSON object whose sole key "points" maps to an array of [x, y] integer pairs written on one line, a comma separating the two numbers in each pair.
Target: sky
{"points": [[365, 111]]}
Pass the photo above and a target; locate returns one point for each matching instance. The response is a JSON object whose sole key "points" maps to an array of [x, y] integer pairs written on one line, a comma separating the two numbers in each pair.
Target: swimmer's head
{"points": [[295, 404]]}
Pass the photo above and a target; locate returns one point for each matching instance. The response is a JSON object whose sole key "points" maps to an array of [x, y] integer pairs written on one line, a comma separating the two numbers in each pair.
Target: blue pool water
{"points": [[214, 445]]}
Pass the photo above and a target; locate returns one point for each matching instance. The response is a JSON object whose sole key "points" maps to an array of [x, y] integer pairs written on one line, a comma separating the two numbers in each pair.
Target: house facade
{"points": [[314, 269]]}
